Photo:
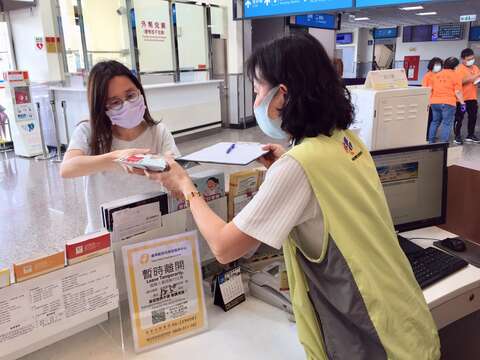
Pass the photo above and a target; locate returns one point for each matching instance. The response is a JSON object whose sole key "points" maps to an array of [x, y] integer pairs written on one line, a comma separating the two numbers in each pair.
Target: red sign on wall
{"points": [[412, 66]]}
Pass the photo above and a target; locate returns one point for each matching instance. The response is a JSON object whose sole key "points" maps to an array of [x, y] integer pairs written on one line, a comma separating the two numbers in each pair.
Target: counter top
{"points": [[146, 87]]}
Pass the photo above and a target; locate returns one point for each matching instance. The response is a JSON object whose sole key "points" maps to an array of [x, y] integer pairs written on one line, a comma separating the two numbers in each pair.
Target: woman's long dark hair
{"points": [[97, 93], [317, 102]]}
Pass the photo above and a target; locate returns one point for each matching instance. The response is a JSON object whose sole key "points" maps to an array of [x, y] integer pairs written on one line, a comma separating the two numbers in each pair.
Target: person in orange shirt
{"points": [[446, 91], [434, 67], [469, 74]]}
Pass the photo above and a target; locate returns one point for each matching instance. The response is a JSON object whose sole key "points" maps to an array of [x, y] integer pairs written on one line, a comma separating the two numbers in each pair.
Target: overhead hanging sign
{"points": [[165, 291], [468, 18], [319, 21], [263, 8], [368, 3]]}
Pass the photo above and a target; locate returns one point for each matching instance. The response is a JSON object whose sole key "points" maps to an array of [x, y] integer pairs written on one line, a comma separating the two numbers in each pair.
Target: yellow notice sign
{"points": [[387, 79], [165, 291]]}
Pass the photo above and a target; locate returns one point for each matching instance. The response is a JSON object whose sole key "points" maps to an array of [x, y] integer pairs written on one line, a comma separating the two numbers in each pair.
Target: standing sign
{"points": [[165, 291], [26, 127], [154, 35]]}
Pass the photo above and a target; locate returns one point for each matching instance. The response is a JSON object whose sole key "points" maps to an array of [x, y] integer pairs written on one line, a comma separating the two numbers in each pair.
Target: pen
{"points": [[229, 150]]}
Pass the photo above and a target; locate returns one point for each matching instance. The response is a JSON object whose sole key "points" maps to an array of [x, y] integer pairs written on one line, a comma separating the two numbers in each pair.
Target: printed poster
{"points": [[165, 291]]}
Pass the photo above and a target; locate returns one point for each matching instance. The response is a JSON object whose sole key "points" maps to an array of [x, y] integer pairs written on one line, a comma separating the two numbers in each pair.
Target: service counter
{"points": [[184, 107]]}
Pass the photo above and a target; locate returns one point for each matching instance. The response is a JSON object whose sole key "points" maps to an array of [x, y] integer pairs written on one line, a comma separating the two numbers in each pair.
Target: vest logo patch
{"points": [[348, 146], [349, 149]]}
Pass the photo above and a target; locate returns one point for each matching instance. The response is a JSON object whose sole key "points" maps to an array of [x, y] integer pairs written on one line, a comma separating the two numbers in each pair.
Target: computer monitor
{"points": [[415, 183]]}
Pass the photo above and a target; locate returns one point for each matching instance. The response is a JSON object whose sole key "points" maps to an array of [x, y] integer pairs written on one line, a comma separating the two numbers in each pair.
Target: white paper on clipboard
{"points": [[242, 154]]}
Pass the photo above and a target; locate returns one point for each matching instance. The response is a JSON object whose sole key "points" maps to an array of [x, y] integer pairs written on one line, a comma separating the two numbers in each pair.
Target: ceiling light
{"points": [[427, 13], [362, 19], [411, 8]]}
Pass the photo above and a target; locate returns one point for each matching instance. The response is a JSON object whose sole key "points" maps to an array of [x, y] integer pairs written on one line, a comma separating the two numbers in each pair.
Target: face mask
{"points": [[437, 68], [271, 127], [130, 115], [470, 62]]}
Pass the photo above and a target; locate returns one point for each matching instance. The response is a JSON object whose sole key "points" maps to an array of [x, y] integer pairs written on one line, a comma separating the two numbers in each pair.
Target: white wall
{"points": [[27, 24], [428, 50], [327, 39]]}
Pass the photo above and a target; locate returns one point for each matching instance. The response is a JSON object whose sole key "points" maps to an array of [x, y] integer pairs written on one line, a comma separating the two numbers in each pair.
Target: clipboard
{"points": [[242, 154]]}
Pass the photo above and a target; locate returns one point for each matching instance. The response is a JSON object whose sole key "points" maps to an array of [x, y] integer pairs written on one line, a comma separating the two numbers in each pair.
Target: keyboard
{"points": [[430, 265]]}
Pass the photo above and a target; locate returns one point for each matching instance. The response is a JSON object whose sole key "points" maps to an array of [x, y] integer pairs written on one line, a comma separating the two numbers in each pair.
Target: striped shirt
{"points": [[284, 204]]}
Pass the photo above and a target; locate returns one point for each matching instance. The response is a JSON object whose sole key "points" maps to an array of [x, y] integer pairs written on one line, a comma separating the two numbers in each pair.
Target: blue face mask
{"points": [[269, 126]]}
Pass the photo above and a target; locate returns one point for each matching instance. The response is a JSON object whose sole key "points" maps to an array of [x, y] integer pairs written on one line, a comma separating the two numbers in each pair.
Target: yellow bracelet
{"points": [[192, 195]]}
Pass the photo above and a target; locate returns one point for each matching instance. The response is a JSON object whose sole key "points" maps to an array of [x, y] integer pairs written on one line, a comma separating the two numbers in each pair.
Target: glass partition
{"points": [[191, 25], [72, 35], [218, 21], [106, 31], [153, 36]]}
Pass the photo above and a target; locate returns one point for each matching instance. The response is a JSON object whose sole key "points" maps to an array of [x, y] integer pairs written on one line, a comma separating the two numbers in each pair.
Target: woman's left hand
{"points": [[175, 179]]}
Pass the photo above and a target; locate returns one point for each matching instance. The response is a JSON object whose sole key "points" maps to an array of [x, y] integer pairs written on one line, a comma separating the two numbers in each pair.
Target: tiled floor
{"points": [[39, 210]]}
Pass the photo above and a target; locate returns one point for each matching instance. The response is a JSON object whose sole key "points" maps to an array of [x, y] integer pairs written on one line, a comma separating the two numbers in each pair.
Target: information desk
{"points": [[184, 107], [255, 330], [463, 199]]}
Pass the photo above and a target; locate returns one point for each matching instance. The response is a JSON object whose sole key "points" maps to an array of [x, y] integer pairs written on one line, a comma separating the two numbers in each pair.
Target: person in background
{"points": [[469, 74], [353, 291], [434, 67], [446, 92], [120, 125]]}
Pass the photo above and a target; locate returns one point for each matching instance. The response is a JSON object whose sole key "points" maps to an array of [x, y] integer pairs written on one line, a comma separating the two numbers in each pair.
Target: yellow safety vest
{"points": [[360, 299]]}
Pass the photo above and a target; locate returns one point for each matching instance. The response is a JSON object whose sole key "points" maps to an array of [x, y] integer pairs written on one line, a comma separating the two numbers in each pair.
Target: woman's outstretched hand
{"points": [[275, 152], [175, 179]]}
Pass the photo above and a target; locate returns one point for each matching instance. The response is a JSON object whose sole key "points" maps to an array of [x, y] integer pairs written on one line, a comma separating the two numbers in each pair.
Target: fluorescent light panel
{"points": [[427, 13], [362, 18], [412, 8]]}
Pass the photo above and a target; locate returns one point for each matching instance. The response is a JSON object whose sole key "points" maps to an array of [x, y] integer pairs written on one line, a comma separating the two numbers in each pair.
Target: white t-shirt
{"points": [[107, 186], [284, 202]]}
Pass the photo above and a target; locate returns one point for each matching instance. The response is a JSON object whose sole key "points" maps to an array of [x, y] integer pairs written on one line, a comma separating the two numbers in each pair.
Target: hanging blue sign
{"points": [[262, 8]]}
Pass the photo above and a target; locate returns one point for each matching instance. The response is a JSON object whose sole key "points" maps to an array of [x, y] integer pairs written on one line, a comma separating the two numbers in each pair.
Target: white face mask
{"points": [[271, 127], [470, 62], [437, 68]]}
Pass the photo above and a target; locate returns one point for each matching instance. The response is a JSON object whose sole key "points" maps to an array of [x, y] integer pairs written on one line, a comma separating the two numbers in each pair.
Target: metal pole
{"points": [[57, 158], [82, 35], [46, 154], [244, 80], [65, 120]]}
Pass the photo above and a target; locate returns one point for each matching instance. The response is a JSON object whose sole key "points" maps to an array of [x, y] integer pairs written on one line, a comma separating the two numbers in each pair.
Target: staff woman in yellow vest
{"points": [[353, 292]]}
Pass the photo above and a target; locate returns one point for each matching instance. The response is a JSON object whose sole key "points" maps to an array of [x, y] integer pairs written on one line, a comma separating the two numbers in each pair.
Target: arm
{"points": [[470, 78], [459, 96], [76, 163], [226, 241]]}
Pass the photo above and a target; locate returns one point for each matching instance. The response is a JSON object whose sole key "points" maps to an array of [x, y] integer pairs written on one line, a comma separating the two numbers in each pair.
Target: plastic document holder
{"points": [[171, 224]]}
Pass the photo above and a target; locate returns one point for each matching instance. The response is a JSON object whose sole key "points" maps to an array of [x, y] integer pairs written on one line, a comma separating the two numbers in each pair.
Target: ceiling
{"points": [[447, 12]]}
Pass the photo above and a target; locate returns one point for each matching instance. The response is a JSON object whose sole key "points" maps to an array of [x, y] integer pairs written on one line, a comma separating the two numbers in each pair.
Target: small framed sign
{"points": [[165, 291]]}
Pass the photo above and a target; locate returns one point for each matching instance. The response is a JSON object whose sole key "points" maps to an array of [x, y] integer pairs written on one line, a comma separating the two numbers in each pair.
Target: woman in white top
{"points": [[120, 125], [351, 286]]}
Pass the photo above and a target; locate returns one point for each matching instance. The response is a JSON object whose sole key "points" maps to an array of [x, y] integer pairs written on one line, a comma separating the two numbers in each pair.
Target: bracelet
{"points": [[192, 195]]}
